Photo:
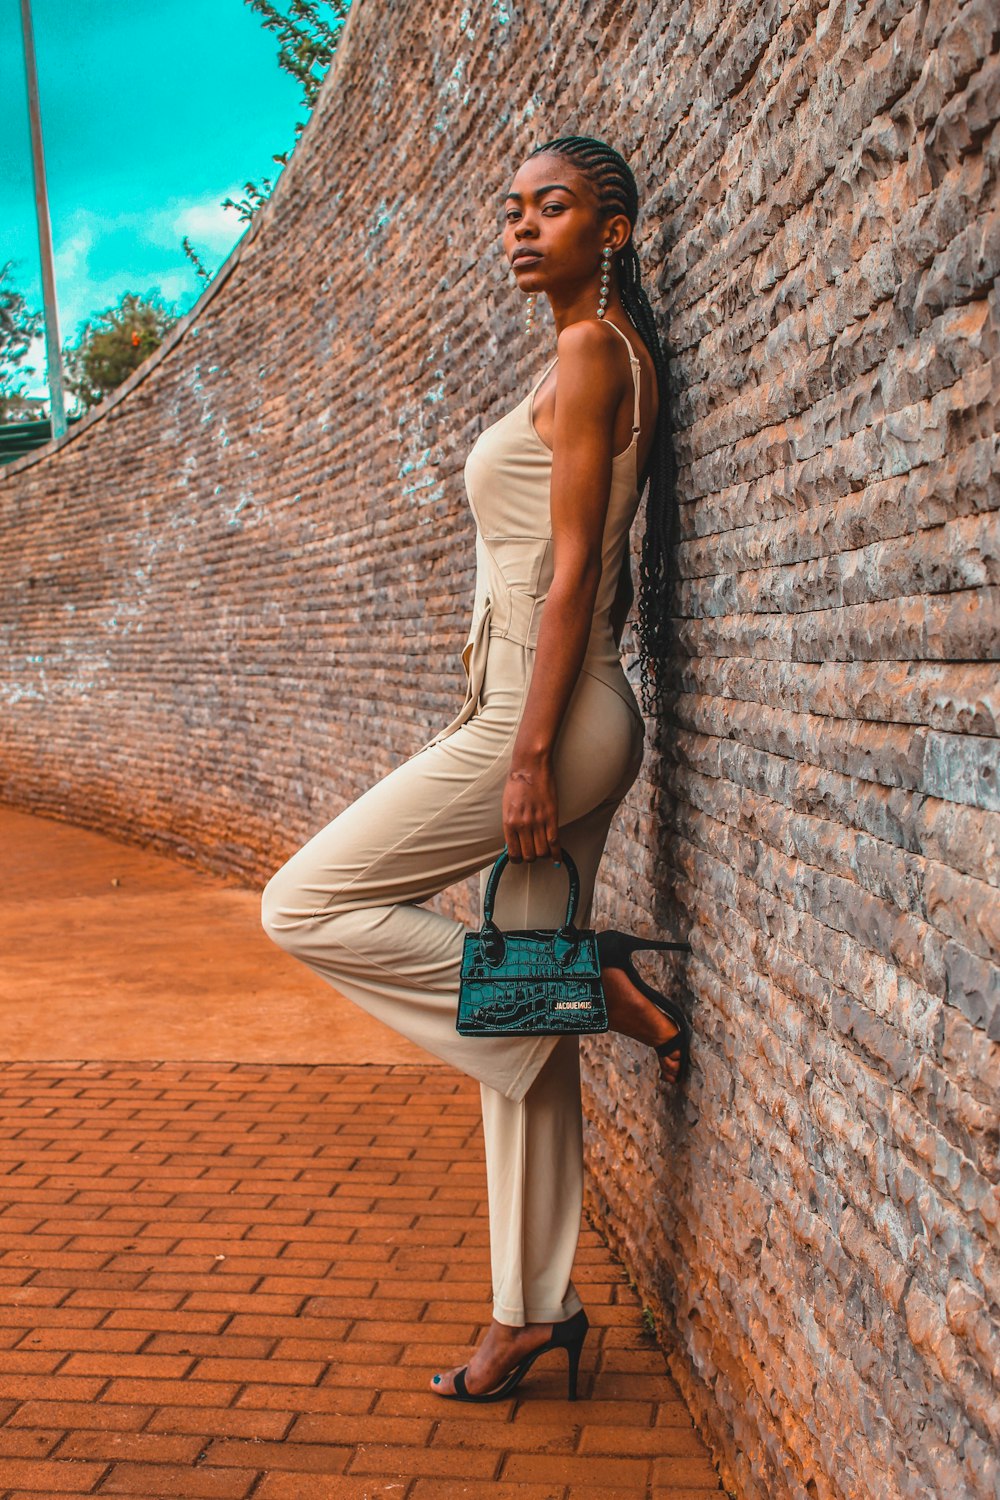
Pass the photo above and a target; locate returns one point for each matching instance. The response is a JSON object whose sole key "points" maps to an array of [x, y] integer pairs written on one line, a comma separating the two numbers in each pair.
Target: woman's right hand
{"points": [[531, 812]]}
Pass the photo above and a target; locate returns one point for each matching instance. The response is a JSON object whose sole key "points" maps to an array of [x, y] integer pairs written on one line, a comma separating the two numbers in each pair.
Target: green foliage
{"points": [[307, 33], [194, 257], [18, 327], [255, 196], [114, 343]]}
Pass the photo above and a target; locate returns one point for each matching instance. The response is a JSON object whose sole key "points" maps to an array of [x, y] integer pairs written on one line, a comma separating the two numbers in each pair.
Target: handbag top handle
{"points": [[501, 863]]}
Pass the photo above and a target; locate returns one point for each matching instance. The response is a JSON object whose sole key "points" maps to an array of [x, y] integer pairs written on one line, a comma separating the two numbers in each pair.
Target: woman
{"points": [[546, 745]]}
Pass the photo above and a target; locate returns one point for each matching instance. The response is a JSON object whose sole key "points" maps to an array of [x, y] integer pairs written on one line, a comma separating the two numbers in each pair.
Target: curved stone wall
{"points": [[235, 595]]}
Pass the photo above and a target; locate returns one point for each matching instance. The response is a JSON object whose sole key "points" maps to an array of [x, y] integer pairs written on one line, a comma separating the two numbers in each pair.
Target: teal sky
{"points": [[153, 111]]}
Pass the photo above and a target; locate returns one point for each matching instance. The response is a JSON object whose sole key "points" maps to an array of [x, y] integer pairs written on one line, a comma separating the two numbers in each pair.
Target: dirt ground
{"points": [[155, 959]]}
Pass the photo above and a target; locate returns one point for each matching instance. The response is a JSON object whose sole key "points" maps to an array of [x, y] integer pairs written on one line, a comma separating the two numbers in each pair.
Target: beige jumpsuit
{"points": [[346, 903]]}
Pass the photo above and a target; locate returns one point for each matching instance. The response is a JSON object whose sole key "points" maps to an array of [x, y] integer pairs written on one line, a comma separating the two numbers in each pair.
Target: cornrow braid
{"points": [[617, 193]]}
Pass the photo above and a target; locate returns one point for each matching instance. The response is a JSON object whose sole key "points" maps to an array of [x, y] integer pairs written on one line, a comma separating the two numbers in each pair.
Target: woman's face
{"points": [[553, 234]]}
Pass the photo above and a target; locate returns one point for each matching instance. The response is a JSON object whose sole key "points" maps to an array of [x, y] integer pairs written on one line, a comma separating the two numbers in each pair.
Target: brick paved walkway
{"points": [[233, 1278]]}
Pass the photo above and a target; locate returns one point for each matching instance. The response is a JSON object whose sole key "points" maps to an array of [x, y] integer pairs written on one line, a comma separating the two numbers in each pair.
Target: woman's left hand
{"points": [[530, 811]]}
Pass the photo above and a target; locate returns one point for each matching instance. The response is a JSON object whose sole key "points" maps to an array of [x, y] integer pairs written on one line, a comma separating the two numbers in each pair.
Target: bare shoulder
{"points": [[586, 342]]}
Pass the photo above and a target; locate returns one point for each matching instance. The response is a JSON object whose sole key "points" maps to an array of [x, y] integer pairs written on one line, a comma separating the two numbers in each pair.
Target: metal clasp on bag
{"points": [[492, 945], [566, 945]]}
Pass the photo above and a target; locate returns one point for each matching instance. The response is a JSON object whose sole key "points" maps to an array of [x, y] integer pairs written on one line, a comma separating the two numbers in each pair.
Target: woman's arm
{"points": [[589, 393]]}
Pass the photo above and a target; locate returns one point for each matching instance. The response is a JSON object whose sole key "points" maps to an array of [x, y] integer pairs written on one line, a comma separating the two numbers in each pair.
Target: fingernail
{"points": [[437, 1379]]}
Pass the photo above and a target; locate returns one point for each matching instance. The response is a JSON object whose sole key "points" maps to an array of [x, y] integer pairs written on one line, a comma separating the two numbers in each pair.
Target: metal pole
{"points": [[53, 354]]}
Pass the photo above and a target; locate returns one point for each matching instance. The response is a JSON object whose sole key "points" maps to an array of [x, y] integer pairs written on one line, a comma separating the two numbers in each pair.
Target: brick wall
{"points": [[235, 595]]}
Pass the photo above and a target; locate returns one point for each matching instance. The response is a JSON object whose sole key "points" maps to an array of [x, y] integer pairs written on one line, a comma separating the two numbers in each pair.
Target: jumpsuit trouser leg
{"points": [[347, 904]]}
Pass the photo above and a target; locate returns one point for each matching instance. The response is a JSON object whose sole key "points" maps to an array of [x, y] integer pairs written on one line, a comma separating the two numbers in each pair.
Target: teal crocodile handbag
{"points": [[535, 982]]}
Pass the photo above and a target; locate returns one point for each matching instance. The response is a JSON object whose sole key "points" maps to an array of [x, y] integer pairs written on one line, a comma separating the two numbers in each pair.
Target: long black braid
{"points": [[617, 193]]}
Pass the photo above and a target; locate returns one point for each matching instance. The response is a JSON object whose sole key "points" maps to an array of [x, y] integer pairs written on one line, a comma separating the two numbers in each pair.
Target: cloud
{"points": [[99, 256], [207, 224], [211, 228], [73, 251]]}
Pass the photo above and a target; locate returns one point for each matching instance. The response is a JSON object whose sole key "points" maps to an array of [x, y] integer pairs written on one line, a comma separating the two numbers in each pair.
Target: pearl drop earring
{"points": [[605, 278], [529, 315]]}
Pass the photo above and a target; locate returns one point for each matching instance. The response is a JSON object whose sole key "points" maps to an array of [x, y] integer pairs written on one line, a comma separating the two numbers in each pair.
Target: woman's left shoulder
{"points": [[586, 340]]}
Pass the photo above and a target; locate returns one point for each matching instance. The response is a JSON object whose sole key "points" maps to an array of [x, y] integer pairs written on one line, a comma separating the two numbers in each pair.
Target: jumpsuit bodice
{"points": [[507, 480]]}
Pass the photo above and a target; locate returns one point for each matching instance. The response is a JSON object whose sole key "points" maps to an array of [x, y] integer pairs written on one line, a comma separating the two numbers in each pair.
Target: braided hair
{"points": [[617, 193]]}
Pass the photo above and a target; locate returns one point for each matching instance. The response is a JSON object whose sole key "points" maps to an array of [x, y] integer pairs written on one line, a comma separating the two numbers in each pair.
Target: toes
{"points": [[670, 1068], [670, 1064]]}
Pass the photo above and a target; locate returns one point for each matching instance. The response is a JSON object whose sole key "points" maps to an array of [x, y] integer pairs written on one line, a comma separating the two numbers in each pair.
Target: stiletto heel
{"points": [[568, 1335], [614, 951], [573, 1361]]}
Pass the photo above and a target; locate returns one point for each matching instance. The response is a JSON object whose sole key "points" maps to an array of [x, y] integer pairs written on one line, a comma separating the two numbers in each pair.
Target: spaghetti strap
{"points": [[634, 359], [542, 376], [636, 370]]}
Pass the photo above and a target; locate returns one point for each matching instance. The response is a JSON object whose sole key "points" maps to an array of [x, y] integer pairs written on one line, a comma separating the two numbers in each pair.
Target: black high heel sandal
{"points": [[568, 1335], [614, 951]]}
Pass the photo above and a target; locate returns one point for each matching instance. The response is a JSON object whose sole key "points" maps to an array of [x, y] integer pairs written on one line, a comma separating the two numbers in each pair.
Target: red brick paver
{"points": [[233, 1280]]}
